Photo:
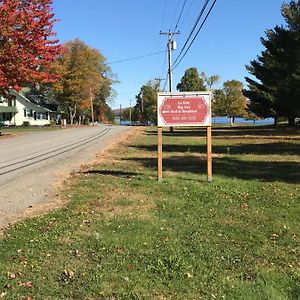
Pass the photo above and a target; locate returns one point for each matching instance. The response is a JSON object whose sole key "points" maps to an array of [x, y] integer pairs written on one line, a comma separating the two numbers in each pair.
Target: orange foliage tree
{"points": [[83, 73], [27, 46]]}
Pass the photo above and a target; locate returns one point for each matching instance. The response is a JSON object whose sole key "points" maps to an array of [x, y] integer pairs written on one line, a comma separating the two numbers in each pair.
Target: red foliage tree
{"points": [[27, 46]]}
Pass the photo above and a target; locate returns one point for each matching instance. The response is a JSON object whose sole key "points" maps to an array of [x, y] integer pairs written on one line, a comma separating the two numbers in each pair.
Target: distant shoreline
{"points": [[226, 120]]}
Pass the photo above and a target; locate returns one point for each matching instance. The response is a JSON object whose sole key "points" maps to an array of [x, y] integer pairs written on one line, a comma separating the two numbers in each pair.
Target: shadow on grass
{"points": [[112, 173], [279, 148], [237, 132], [247, 170]]}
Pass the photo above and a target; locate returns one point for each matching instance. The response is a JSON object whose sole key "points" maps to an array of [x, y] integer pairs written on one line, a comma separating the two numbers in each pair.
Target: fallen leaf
{"points": [[120, 249], [21, 258], [69, 273]]}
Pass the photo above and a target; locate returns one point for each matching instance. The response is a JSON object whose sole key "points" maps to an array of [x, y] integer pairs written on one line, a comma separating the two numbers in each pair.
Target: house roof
{"points": [[29, 104], [42, 101], [8, 109]]}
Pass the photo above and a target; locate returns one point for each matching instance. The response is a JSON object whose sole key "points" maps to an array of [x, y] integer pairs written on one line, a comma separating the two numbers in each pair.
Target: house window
{"points": [[25, 113], [7, 116], [39, 115], [29, 113]]}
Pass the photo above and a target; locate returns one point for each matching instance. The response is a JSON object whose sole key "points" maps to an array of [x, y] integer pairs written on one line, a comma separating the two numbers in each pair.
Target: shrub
{"points": [[26, 123]]}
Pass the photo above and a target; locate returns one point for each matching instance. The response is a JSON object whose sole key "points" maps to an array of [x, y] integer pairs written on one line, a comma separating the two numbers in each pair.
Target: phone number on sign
{"points": [[184, 118]]}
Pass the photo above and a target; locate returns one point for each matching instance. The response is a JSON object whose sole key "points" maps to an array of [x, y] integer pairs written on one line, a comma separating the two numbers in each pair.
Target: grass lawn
{"points": [[21, 129], [123, 235]]}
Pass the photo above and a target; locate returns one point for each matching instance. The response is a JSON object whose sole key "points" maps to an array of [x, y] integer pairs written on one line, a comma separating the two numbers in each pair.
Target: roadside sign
{"points": [[184, 109]]}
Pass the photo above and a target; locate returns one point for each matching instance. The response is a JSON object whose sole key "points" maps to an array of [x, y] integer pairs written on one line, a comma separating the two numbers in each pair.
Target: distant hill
{"points": [[116, 111]]}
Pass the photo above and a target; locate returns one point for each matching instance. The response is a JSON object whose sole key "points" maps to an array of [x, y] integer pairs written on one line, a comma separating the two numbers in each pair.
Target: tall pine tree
{"points": [[276, 92]]}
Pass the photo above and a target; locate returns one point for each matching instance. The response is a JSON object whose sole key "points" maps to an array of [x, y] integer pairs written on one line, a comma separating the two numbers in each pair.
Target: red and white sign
{"points": [[184, 109]]}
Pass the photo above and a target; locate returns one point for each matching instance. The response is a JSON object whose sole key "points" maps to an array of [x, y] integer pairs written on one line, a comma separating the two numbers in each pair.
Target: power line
{"points": [[193, 29], [161, 26], [175, 13], [165, 85], [164, 65], [163, 14], [135, 58], [187, 11], [211, 8], [180, 15]]}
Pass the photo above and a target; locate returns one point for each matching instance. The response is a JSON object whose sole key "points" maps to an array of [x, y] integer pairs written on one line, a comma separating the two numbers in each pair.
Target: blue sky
{"points": [[123, 29]]}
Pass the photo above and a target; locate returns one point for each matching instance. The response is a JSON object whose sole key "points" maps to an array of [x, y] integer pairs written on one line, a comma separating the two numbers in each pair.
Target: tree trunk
{"points": [[275, 121], [72, 115]]}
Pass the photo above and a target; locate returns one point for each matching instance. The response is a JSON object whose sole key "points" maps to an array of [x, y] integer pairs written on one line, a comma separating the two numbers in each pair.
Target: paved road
{"points": [[30, 164]]}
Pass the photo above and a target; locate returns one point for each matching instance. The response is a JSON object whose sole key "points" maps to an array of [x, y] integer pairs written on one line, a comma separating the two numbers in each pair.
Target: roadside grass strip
{"points": [[123, 235]]}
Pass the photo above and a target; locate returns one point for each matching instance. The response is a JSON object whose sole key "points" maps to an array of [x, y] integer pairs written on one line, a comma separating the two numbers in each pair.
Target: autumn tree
{"points": [[146, 103], [209, 80], [27, 46], [84, 79], [276, 92], [229, 101], [191, 81], [105, 93]]}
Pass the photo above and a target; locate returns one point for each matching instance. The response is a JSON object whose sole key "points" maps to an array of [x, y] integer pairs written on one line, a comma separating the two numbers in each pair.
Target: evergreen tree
{"points": [[191, 81], [276, 93]]}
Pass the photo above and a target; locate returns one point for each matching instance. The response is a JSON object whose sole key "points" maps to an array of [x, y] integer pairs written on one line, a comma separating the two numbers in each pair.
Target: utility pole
{"points": [[142, 106], [120, 113], [92, 106], [159, 80], [171, 46], [130, 112]]}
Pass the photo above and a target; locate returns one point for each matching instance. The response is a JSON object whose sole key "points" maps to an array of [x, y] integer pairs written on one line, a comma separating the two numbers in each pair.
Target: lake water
{"points": [[225, 120]]}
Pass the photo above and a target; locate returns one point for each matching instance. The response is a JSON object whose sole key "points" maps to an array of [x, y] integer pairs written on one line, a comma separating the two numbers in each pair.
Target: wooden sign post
{"points": [[209, 154], [182, 110], [159, 151]]}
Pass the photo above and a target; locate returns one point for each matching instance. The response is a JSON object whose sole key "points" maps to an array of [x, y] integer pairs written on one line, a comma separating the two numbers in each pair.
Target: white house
{"points": [[20, 109]]}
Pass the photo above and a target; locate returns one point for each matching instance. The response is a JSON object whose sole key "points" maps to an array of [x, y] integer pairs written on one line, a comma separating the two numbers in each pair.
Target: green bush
{"points": [[26, 123]]}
